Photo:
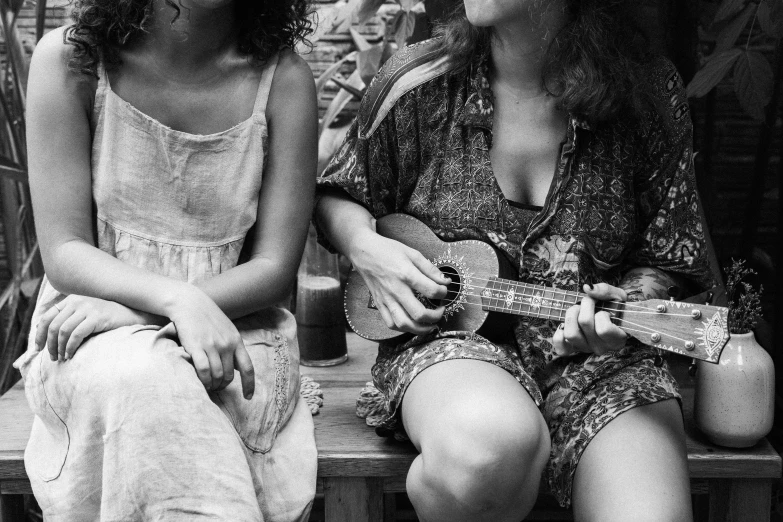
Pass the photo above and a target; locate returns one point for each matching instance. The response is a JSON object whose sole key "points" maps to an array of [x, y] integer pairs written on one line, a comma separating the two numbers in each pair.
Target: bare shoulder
{"points": [[293, 84], [52, 53], [50, 71]]}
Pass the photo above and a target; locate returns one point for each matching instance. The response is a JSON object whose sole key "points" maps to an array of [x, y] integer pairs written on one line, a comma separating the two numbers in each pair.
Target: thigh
{"points": [[472, 400], [482, 440], [635, 468]]}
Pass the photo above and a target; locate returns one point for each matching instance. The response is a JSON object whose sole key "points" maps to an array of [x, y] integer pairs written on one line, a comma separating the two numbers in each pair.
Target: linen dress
{"points": [[125, 430]]}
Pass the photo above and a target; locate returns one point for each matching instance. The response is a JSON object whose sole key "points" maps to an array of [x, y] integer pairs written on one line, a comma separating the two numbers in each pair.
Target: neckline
{"points": [[146, 117], [524, 206]]}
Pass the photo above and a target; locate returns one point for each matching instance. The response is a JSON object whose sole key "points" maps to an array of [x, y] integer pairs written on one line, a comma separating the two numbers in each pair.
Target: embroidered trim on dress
{"points": [[282, 367]]}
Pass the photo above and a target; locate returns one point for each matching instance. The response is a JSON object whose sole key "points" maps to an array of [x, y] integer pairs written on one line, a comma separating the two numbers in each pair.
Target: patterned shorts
{"points": [[583, 395]]}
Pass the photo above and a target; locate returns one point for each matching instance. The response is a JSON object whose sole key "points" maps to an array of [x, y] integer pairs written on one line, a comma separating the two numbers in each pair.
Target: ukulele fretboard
{"points": [[513, 297]]}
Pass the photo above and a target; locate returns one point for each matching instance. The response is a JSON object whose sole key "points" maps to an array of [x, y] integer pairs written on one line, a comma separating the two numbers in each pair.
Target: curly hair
{"points": [[594, 64], [102, 27]]}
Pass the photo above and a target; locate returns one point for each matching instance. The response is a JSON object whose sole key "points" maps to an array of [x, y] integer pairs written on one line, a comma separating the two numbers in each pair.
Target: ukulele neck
{"points": [[512, 297]]}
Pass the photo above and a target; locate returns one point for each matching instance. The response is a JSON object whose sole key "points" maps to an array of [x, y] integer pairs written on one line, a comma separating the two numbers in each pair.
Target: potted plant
{"points": [[735, 398]]}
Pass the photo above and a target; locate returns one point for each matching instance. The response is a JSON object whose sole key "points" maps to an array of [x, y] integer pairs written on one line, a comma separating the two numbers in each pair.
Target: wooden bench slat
{"points": [[351, 457]]}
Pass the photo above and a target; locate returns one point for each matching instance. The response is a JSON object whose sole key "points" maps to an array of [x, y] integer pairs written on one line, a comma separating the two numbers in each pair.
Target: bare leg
{"points": [[482, 440], [636, 469]]}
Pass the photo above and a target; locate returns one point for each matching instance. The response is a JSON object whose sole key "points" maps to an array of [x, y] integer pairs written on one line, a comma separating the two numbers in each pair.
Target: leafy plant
{"points": [[21, 246], [744, 309], [752, 73], [404, 23], [368, 59]]}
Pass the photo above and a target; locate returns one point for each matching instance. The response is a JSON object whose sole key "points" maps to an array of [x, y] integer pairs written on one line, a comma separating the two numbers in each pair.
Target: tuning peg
{"points": [[658, 361], [692, 368]]}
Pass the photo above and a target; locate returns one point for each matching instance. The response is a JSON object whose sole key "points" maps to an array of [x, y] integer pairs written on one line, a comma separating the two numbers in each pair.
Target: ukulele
{"points": [[480, 285]]}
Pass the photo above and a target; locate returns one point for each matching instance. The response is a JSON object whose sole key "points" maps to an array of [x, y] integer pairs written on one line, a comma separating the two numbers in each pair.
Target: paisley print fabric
{"points": [[623, 195]]}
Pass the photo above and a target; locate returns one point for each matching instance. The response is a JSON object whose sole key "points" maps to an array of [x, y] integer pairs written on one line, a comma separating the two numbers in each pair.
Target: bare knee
{"points": [[490, 471]]}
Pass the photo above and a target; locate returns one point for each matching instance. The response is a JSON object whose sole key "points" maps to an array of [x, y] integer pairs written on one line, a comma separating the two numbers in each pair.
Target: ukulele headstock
{"points": [[694, 330]]}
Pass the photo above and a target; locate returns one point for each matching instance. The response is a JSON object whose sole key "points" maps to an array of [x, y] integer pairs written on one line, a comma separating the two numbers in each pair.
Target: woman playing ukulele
{"points": [[546, 129]]}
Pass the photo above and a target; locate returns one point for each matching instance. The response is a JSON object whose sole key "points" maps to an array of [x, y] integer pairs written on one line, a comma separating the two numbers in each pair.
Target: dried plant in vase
{"points": [[744, 301], [735, 399]]}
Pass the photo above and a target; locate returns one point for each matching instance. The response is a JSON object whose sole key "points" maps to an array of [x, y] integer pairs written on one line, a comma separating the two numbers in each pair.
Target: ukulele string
{"points": [[642, 329], [558, 314], [627, 310], [648, 330], [524, 286]]}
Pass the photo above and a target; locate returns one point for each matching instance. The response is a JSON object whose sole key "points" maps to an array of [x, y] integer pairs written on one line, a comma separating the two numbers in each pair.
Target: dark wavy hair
{"points": [[594, 64], [101, 27]]}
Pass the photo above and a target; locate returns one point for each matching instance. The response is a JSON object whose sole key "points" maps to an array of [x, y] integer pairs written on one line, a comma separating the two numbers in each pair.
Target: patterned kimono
{"points": [[623, 196]]}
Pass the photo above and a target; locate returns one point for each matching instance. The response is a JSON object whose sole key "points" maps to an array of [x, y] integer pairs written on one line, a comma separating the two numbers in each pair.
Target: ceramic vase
{"points": [[735, 399]]}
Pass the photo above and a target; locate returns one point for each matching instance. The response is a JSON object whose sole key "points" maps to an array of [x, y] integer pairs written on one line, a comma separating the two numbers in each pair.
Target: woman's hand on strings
{"points": [[588, 326], [65, 326], [212, 341], [393, 273]]}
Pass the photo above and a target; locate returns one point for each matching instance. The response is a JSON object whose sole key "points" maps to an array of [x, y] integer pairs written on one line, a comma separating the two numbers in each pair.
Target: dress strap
{"points": [[265, 84], [101, 90]]}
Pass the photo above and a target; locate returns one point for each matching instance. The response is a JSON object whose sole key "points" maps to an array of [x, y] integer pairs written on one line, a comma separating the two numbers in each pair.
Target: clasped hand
{"points": [[205, 333]]}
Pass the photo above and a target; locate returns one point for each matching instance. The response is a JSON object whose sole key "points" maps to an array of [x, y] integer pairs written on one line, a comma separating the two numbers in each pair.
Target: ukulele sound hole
{"points": [[453, 287]]}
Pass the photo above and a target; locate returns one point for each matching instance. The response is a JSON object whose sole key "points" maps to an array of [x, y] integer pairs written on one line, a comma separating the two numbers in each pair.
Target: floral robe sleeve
{"points": [[672, 233]]}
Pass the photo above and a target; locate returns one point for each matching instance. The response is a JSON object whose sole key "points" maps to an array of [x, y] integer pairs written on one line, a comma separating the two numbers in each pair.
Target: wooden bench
{"points": [[358, 472]]}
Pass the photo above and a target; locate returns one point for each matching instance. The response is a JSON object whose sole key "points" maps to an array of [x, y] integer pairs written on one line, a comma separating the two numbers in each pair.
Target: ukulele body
{"points": [[469, 264]]}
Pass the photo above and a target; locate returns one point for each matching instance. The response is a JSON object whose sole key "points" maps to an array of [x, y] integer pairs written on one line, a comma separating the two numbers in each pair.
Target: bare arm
{"points": [[344, 222], [391, 270], [286, 199], [653, 283], [59, 142]]}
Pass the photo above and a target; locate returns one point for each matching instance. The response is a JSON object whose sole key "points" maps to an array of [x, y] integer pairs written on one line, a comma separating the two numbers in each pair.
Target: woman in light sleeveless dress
{"points": [[167, 142]]}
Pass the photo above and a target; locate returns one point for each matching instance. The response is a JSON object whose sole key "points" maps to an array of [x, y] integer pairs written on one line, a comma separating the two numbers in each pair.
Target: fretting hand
{"points": [[588, 330]]}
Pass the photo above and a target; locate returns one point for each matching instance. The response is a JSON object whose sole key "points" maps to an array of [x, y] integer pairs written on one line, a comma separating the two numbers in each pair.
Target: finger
{"points": [[403, 323], [420, 314], [42, 330], [606, 292], [586, 320], [573, 335], [246, 372], [428, 269], [201, 364], [215, 369], [65, 333], [559, 343], [53, 332], [385, 315], [227, 360], [611, 335], [433, 283], [78, 335]]}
